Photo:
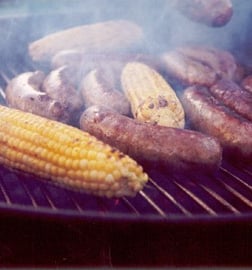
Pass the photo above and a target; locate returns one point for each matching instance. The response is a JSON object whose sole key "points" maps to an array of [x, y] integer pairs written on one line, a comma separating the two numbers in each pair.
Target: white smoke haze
{"points": [[164, 27]]}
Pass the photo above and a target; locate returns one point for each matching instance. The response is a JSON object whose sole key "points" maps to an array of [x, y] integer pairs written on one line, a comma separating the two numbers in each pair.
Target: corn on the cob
{"points": [[66, 155], [97, 37], [152, 98]]}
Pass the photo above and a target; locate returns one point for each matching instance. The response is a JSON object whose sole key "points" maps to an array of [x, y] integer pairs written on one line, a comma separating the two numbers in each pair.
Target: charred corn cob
{"points": [[152, 98], [98, 37], [66, 155]]}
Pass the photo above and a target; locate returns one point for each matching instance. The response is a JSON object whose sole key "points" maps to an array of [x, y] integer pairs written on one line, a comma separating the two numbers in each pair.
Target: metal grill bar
{"points": [[221, 200], [170, 197]]}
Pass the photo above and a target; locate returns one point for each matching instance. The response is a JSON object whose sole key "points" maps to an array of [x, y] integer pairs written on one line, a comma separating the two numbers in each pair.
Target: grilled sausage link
{"points": [[24, 93], [187, 71], [213, 13], [98, 90], [247, 83], [202, 65], [210, 116], [177, 149], [233, 96], [59, 84], [221, 61]]}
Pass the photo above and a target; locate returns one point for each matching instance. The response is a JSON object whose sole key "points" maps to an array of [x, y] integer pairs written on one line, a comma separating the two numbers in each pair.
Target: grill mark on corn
{"points": [[151, 98], [67, 155]]}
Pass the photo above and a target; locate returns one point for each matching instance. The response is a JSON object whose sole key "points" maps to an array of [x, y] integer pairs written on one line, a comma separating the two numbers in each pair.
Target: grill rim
{"points": [[92, 216], [59, 213]]}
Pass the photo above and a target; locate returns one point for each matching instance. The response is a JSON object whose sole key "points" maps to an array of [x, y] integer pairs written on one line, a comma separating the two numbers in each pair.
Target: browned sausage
{"points": [[177, 149], [24, 92], [233, 96], [214, 13], [247, 83], [59, 84], [97, 89], [187, 70], [221, 61], [210, 116]]}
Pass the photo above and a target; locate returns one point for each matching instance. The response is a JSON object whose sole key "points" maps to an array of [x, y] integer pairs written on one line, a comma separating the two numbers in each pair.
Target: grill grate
{"points": [[227, 192]]}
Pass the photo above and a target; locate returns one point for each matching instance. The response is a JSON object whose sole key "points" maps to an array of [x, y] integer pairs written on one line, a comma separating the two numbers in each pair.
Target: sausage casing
{"points": [[177, 149], [96, 89], [210, 116], [213, 13], [233, 96]]}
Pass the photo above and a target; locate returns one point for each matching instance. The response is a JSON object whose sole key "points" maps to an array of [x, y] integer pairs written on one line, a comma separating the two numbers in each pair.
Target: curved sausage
{"points": [[59, 84], [213, 13], [187, 71], [221, 61], [24, 92], [177, 149], [210, 116], [233, 96], [98, 90]]}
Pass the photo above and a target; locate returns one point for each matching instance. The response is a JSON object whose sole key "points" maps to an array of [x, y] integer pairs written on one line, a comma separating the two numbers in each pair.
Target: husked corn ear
{"points": [[101, 37], [66, 155], [152, 98]]}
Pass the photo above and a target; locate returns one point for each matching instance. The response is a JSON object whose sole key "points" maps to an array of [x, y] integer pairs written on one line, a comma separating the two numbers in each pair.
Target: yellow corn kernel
{"points": [[152, 99], [84, 163]]}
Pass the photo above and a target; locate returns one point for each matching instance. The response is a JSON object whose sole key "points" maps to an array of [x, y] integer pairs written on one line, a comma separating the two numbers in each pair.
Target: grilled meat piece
{"points": [[59, 84], [186, 70], [211, 117], [213, 13], [24, 92], [233, 96], [247, 83], [201, 65], [221, 61], [176, 149], [97, 89]]}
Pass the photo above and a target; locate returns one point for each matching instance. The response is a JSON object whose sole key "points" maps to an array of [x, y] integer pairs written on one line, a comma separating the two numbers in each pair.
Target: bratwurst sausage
{"points": [[210, 116], [96, 89], [24, 92], [213, 13], [233, 96], [177, 149]]}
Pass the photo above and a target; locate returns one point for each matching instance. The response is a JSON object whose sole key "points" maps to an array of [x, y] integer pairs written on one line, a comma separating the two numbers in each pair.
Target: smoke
{"points": [[165, 28]]}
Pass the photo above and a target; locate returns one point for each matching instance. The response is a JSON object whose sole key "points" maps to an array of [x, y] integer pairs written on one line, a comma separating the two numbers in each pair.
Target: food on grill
{"points": [[210, 116], [66, 155], [247, 83], [240, 72], [179, 150], [68, 58], [111, 63], [186, 70], [61, 85], [96, 89], [222, 62], [214, 13], [199, 65], [152, 99], [52, 96], [24, 92], [233, 96], [82, 63], [109, 36]]}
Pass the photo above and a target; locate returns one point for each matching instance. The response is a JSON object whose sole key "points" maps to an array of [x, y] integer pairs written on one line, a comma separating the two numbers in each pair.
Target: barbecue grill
{"points": [[190, 219]]}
